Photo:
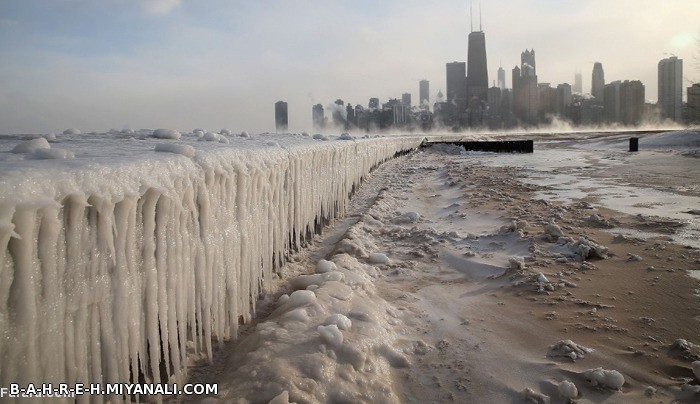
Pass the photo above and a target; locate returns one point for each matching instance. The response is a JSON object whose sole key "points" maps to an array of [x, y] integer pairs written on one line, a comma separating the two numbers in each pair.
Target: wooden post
{"points": [[634, 144]]}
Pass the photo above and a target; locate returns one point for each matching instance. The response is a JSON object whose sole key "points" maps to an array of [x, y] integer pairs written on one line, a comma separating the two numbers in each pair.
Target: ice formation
{"points": [[568, 349], [611, 379], [184, 149], [166, 134], [567, 390], [118, 265], [30, 146]]}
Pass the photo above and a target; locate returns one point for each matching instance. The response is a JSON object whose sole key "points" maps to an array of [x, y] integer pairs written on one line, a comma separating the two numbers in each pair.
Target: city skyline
{"points": [[181, 64]]}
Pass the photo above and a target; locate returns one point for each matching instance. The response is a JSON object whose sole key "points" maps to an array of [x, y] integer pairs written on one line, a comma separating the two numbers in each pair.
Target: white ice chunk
{"points": [[166, 134], [339, 320], [184, 149], [324, 266], [30, 146], [611, 379], [408, 217], [71, 131], [52, 154], [331, 335], [301, 298], [378, 259], [567, 390]]}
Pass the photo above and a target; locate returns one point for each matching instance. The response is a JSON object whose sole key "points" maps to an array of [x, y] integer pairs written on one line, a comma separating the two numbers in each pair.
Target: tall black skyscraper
{"points": [[281, 120], [477, 72]]}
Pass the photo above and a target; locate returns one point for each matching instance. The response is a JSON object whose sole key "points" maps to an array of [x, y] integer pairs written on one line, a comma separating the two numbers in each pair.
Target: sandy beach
{"points": [[473, 277]]}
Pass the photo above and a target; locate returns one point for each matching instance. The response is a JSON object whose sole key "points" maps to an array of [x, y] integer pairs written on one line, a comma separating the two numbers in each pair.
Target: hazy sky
{"points": [[184, 64]]}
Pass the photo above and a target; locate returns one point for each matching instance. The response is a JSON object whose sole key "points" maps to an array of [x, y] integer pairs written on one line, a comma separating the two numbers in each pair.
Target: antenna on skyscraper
{"points": [[471, 18], [480, 30]]}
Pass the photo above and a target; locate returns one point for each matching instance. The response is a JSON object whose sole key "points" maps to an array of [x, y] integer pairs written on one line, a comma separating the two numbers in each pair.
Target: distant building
{"points": [[317, 117], [373, 103], [456, 73], [477, 71], [671, 88], [547, 97], [563, 98], [528, 57], [406, 100], [501, 78], [578, 84], [525, 93], [631, 102], [423, 92], [694, 104], [281, 119], [611, 102], [350, 119], [597, 81]]}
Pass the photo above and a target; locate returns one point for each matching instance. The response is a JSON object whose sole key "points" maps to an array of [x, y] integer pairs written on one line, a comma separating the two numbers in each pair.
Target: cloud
{"points": [[160, 6]]}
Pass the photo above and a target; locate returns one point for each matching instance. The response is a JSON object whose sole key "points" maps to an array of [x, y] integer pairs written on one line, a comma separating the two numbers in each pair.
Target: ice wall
{"points": [[118, 265]]}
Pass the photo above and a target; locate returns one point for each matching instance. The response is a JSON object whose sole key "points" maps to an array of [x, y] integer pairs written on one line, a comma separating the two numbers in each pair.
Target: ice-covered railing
{"points": [[115, 264]]}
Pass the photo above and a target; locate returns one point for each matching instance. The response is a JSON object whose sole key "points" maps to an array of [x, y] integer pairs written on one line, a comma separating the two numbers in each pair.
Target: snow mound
{"points": [[304, 281], [30, 146], [581, 249], [324, 266], [406, 218], [611, 379], [531, 396], [71, 131], [553, 230], [52, 154], [166, 134], [225, 132], [50, 136], [185, 150], [331, 335], [378, 259], [568, 349], [567, 390], [213, 137], [340, 320]]}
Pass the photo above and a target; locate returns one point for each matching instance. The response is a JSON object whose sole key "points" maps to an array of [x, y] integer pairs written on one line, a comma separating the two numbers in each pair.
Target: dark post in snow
{"points": [[634, 144]]}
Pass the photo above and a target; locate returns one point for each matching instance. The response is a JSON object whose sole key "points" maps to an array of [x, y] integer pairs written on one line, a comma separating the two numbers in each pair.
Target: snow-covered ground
{"points": [[440, 286], [452, 276]]}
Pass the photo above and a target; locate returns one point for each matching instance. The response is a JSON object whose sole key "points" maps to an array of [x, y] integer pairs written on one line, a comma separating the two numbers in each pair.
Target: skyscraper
{"points": [[406, 100], [597, 81], [457, 84], [631, 102], [611, 102], [525, 93], [671, 88], [694, 103], [477, 72], [528, 58], [317, 116], [281, 120], [501, 78], [424, 92], [578, 83]]}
